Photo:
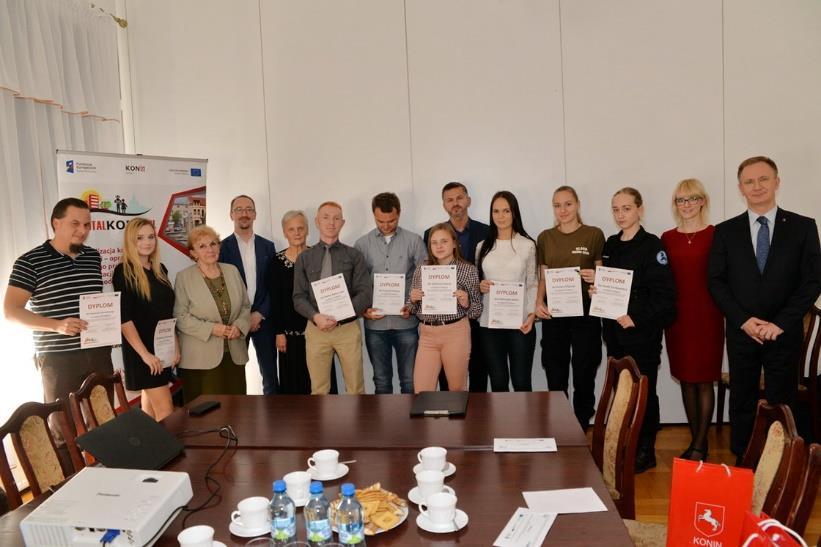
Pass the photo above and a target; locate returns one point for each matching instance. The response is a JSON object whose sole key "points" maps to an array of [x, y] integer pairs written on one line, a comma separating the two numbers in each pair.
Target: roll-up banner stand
{"points": [[119, 187]]}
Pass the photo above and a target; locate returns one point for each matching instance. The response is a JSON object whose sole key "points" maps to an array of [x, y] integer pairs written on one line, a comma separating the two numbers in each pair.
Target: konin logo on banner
{"points": [[709, 519]]}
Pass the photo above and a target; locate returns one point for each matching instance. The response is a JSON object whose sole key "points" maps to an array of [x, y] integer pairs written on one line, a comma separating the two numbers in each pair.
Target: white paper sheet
{"points": [[164, 346], [439, 284], [332, 297], [535, 444], [525, 528], [389, 293], [612, 296], [564, 292], [570, 500], [102, 312], [506, 304]]}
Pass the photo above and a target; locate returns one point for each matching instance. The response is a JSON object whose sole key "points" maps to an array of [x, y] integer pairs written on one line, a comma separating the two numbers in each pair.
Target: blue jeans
{"points": [[380, 345]]}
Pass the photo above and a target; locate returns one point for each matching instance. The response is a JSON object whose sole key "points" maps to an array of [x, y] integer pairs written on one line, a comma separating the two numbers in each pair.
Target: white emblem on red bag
{"points": [[709, 519]]}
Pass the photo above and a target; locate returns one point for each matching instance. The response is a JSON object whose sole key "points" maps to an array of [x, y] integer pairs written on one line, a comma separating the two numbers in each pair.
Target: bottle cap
{"points": [[348, 489], [279, 486], [316, 487]]}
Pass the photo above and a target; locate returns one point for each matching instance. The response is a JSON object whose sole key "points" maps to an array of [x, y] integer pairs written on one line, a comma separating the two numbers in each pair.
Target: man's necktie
{"points": [[762, 244], [326, 263]]}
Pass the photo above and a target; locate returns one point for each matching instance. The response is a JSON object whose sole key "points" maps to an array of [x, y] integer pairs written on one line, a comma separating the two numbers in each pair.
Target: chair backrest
{"points": [[811, 344], [776, 452], [807, 492], [93, 404], [619, 416], [36, 449]]}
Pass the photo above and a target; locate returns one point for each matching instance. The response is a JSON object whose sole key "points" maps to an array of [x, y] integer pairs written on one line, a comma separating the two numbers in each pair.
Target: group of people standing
{"points": [[760, 276]]}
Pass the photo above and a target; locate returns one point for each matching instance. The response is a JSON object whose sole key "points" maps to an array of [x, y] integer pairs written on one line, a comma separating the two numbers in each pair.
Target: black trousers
{"points": [[582, 337], [647, 354], [502, 345], [477, 368], [747, 358]]}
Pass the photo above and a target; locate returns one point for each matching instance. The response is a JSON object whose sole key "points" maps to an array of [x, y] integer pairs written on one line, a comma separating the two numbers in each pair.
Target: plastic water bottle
{"points": [[283, 518], [317, 522], [349, 518]]}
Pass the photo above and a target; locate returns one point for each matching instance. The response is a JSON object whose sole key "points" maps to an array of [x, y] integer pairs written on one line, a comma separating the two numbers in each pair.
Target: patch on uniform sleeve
{"points": [[661, 258]]}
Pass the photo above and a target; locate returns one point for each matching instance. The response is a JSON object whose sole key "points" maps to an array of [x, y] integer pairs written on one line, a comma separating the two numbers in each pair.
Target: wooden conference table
{"points": [[276, 438]]}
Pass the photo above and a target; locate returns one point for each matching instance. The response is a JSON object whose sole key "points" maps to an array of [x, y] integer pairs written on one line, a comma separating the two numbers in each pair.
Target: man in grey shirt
{"points": [[324, 335], [388, 249]]}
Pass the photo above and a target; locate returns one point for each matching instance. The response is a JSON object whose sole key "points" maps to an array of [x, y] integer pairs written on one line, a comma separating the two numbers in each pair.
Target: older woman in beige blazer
{"points": [[213, 319]]}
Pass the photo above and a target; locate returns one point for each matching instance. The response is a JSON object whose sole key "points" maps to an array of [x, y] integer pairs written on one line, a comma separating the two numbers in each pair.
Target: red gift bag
{"points": [[762, 531], [707, 504]]}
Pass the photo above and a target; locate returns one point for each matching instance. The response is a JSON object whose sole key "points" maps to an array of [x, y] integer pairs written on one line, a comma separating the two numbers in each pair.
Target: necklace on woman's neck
{"points": [[690, 232]]}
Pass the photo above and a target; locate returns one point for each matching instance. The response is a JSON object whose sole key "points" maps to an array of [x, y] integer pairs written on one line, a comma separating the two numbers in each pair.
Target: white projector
{"points": [[97, 499]]}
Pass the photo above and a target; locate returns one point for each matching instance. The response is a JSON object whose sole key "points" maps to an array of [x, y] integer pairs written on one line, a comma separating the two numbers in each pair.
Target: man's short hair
{"points": [[62, 206], [328, 204], [386, 202], [231, 207], [756, 159], [452, 186]]}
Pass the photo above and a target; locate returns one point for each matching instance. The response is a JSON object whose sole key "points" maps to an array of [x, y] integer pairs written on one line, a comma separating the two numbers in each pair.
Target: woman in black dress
{"points": [[146, 298], [289, 326]]}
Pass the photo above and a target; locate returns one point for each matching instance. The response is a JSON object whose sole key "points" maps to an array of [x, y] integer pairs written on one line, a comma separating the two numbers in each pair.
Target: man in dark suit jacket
{"points": [[765, 274], [469, 233], [253, 254]]}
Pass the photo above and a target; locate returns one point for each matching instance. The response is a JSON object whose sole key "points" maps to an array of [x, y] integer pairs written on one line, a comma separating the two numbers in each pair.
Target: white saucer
{"points": [[425, 524], [414, 496], [216, 543], [448, 471], [244, 532], [302, 502], [341, 471]]}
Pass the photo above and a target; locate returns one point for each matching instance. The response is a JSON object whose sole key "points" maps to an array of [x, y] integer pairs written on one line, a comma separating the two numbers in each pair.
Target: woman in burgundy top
{"points": [[695, 341]]}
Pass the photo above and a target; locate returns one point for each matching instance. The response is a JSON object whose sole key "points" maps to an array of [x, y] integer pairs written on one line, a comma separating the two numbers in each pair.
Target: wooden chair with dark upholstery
{"points": [[807, 492], [619, 416], [808, 391], [36, 449], [93, 404], [775, 452]]}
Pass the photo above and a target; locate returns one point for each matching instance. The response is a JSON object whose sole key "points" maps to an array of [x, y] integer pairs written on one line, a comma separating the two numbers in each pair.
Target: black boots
{"points": [[645, 455]]}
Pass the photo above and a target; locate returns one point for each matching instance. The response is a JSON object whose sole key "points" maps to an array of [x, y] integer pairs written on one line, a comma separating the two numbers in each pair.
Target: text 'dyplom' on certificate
{"points": [[332, 297], [506, 304], [438, 286], [564, 292], [102, 312], [612, 295], [389, 293]]}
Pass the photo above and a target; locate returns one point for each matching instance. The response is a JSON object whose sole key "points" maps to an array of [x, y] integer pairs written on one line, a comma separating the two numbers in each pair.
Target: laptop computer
{"points": [[132, 440], [440, 403]]}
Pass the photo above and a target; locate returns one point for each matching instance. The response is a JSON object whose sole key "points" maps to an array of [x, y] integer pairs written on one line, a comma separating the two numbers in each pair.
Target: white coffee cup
{"points": [[431, 482], [324, 462], [297, 484], [252, 513], [196, 536], [439, 508], [433, 457]]}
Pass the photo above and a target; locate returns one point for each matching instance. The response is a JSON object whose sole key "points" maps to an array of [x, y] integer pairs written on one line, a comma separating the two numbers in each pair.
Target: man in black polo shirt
{"points": [[50, 278]]}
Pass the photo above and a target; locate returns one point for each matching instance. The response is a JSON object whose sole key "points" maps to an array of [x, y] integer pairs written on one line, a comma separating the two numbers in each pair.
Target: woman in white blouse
{"points": [[508, 255]]}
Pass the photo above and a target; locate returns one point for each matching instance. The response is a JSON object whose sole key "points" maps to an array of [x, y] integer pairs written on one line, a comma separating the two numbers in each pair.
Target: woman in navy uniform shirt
{"points": [[652, 307]]}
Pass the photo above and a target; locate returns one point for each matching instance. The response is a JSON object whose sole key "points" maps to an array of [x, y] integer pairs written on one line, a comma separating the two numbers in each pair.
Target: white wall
{"points": [[298, 102]]}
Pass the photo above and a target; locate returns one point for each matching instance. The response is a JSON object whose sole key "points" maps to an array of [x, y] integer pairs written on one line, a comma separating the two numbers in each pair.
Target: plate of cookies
{"points": [[382, 510]]}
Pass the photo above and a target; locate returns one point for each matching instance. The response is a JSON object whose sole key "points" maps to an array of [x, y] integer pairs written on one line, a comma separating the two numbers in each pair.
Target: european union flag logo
{"points": [[196, 172], [69, 166]]}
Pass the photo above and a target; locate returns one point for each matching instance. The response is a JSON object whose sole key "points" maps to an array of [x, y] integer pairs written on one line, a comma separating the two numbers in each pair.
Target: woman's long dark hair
{"points": [[493, 233]]}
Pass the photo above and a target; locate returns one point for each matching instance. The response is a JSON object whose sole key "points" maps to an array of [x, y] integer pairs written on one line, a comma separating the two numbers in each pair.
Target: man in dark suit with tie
{"points": [[764, 274], [252, 255]]}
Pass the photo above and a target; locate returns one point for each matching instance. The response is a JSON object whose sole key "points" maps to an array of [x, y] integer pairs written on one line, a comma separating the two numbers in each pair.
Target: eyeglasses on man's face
{"points": [[243, 210]]}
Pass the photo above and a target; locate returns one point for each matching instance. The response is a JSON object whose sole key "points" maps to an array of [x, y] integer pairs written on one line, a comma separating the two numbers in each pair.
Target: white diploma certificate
{"points": [[506, 305], [612, 292], [438, 286], [332, 297], [564, 292], [164, 347], [525, 528], [389, 293], [102, 312]]}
